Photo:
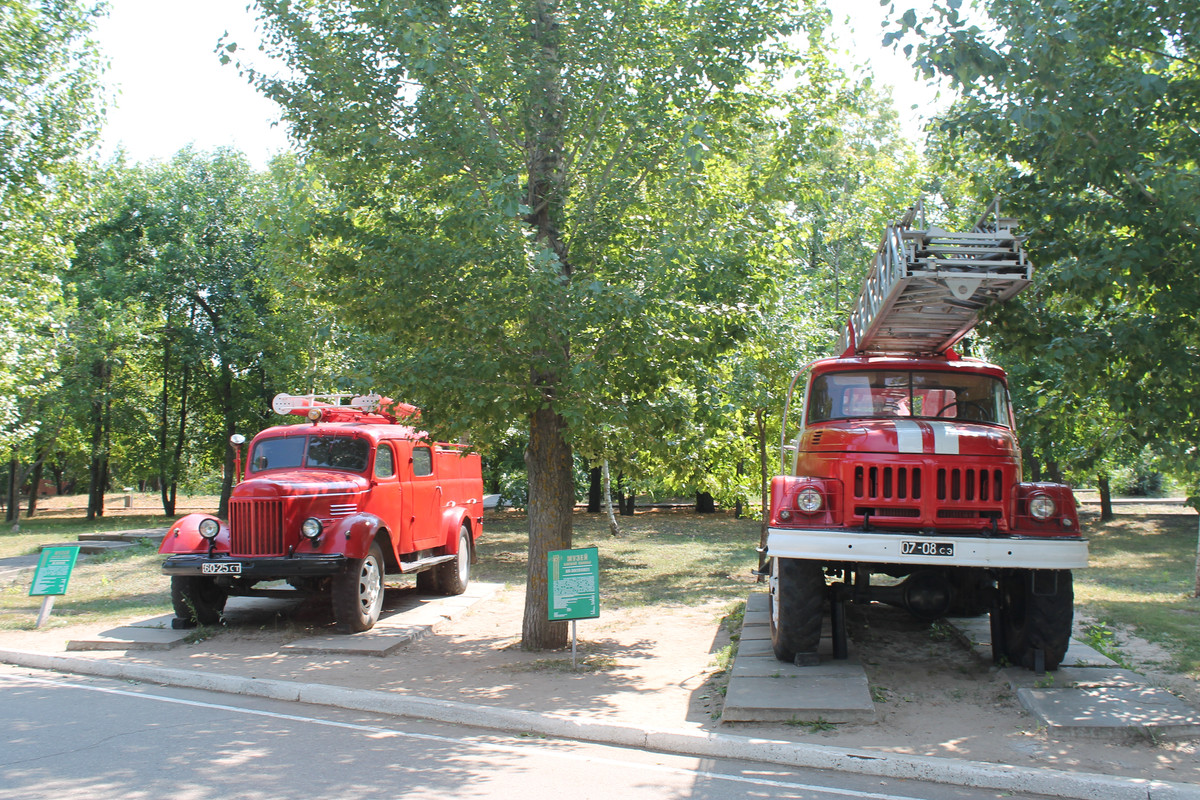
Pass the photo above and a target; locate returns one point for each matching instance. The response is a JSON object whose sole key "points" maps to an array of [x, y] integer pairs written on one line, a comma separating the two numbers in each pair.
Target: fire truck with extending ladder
{"points": [[901, 478]]}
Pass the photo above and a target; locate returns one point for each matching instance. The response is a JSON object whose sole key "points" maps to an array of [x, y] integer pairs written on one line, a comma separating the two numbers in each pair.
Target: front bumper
{"points": [[257, 568], [893, 548]]}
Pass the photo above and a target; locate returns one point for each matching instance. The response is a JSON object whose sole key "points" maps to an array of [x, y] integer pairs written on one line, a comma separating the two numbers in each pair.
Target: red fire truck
{"points": [[332, 505], [901, 480]]}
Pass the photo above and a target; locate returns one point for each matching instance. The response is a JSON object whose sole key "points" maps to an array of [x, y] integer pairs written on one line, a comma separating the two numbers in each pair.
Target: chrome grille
{"points": [[256, 527]]}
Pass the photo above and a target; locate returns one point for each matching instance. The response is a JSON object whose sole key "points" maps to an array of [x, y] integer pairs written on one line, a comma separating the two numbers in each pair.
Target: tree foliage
{"points": [[528, 219], [1088, 112]]}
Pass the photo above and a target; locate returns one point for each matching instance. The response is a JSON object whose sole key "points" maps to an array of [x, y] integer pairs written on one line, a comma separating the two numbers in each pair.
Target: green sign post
{"points": [[51, 577], [573, 585]]}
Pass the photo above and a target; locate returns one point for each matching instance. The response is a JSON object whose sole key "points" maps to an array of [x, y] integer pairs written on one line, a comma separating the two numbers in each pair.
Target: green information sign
{"points": [[53, 571], [574, 583]]}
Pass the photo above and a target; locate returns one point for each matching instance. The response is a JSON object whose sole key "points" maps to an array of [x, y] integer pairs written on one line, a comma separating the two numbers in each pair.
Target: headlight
{"points": [[209, 528], [311, 528], [1041, 506], [809, 500]]}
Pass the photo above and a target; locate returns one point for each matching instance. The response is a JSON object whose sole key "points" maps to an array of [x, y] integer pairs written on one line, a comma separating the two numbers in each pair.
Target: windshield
{"points": [[875, 394], [327, 452]]}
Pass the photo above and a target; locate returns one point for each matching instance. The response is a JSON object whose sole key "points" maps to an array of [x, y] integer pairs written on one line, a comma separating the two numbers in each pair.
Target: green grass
{"points": [[1142, 575], [662, 557], [103, 587]]}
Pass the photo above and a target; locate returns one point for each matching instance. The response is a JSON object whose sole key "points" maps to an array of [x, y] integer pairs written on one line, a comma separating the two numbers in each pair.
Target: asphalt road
{"points": [[71, 736]]}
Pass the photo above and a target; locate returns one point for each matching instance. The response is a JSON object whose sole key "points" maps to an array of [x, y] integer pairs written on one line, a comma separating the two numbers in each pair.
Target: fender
{"points": [[452, 520], [184, 536], [352, 536]]}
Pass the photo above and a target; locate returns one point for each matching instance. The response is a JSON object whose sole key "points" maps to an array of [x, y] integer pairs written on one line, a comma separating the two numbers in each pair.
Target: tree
{"points": [[48, 114], [507, 170]]}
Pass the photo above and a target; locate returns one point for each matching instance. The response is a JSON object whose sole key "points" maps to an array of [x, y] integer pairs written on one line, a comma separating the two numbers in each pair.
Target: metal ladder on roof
{"points": [[928, 285]]}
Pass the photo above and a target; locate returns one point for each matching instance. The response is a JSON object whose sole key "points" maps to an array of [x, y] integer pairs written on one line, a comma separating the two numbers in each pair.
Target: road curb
{"points": [[1044, 781]]}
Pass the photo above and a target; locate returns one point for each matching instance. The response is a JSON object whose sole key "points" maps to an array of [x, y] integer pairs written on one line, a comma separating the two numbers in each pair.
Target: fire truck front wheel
{"points": [[358, 592], [1037, 609], [197, 600], [797, 600]]}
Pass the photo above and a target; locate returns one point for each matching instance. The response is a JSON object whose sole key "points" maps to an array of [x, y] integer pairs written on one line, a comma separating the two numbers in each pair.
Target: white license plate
{"points": [[221, 568], [910, 547]]}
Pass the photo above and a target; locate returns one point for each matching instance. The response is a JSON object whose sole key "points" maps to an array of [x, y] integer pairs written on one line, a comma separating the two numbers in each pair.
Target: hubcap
{"points": [[369, 585]]}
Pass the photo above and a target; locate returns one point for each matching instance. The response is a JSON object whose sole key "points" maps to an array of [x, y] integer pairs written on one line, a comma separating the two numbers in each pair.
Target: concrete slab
{"points": [[764, 689], [835, 697], [976, 633], [413, 617], [135, 536], [757, 618], [1112, 712], [131, 637], [92, 548]]}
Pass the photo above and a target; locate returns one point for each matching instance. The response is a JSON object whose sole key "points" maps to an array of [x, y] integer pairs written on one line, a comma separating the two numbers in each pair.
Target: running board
{"points": [[424, 563]]}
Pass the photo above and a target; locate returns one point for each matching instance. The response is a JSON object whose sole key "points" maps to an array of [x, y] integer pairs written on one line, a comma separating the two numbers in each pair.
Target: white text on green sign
{"points": [[574, 583], [54, 571]]}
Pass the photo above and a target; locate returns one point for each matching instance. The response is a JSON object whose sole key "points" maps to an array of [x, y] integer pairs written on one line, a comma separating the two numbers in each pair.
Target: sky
{"points": [[170, 90]]}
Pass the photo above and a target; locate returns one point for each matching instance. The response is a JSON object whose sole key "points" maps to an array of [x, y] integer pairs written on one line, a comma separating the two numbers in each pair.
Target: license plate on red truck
{"points": [[912, 547]]}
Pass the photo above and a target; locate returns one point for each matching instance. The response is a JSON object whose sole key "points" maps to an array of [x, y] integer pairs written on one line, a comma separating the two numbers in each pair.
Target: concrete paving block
{"points": [[130, 637], [833, 698], [757, 601], [754, 618], [92, 548], [1111, 712], [369, 643], [755, 648], [976, 633], [1072, 678], [751, 632]]}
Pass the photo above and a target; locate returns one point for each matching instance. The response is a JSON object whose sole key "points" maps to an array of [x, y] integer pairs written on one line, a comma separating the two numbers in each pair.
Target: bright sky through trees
{"points": [[174, 92]]}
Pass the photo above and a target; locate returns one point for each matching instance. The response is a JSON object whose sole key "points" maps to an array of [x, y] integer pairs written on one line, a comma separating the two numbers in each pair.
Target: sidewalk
{"points": [[455, 660]]}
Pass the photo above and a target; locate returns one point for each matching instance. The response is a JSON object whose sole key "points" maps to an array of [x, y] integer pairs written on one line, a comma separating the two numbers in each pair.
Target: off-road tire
{"points": [[797, 604], [197, 600], [427, 581], [970, 596], [358, 592], [453, 576], [1037, 620]]}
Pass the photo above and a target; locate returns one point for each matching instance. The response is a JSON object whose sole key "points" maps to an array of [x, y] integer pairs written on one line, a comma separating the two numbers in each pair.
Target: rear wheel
{"points": [[1037, 609], [453, 576], [197, 600], [797, 604], [358, 592]]}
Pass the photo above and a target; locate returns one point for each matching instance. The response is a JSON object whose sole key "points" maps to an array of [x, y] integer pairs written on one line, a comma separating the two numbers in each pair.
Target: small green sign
{"points": [[574, 583], [54, 571]]}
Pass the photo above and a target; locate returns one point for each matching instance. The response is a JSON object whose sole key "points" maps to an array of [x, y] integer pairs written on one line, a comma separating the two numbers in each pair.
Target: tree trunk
{"points": [[226, 405], [705, 503], [760, 424], [35, 482], [1196, 592], [1106, 507], [613, 528], [98, 469], [628, 504], [12, 502], [595, 490], [548, 461]]}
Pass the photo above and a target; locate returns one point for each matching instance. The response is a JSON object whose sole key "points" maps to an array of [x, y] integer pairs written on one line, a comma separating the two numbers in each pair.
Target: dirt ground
{"points": [[933, 697]]}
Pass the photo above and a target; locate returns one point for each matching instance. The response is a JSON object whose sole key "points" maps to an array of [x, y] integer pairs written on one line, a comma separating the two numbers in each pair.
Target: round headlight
{"points": [[209, 528], [1041, 506], [311, 528], [809, 500]]}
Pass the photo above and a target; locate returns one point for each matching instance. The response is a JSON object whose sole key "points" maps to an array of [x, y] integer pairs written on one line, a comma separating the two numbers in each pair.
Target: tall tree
{"points": [[48, 116], [500, 162], [1089, 111]]}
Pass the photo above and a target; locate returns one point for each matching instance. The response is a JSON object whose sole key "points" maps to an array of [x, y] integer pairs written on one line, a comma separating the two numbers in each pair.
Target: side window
{"points": [[385, 462], [422, 461]]}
